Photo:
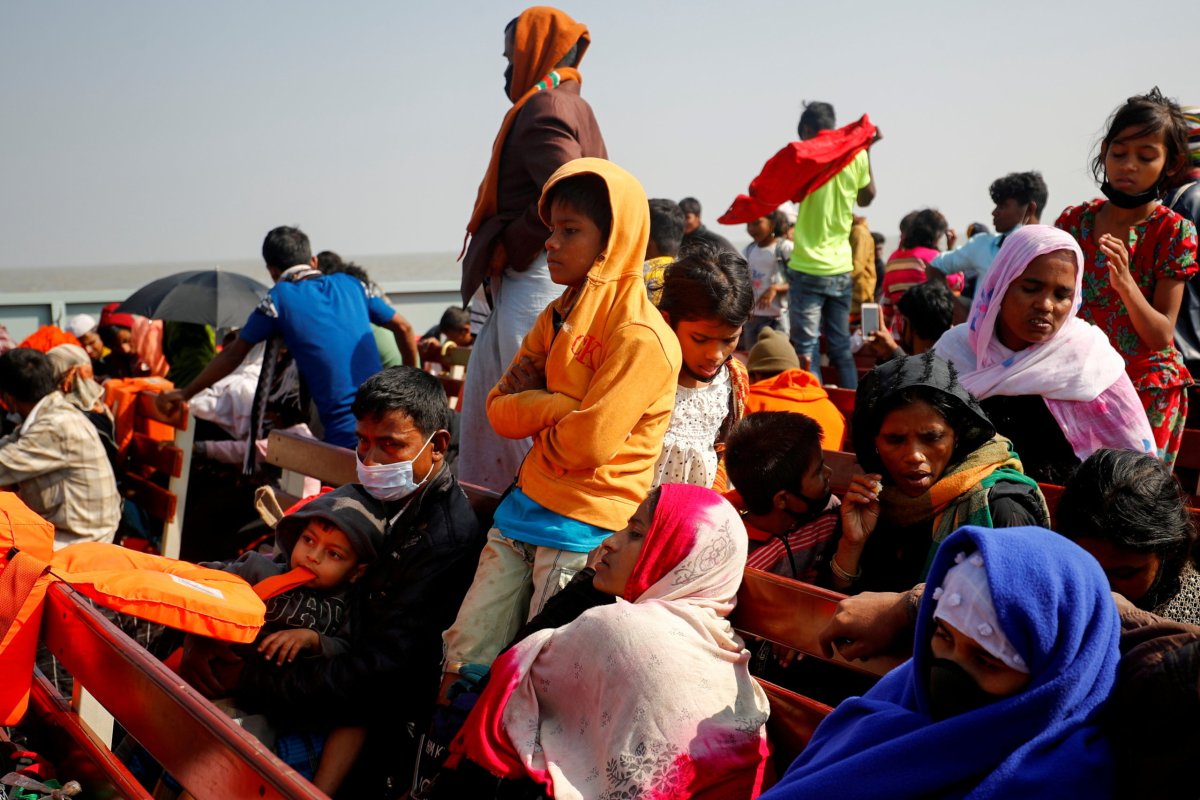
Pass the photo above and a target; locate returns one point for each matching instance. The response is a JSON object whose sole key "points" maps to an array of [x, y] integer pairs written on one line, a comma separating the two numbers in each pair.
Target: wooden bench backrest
{"points": [[792, 614], [155, 473], [197, 744], [328, 463]]}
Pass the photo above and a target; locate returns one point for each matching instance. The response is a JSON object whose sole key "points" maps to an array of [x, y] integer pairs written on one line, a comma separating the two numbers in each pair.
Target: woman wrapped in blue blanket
{"points": [[1015, 653]]}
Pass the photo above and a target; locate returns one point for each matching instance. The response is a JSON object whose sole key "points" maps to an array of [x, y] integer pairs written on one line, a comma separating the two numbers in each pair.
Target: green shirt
{"points": [[823, 221], [385, 342]]}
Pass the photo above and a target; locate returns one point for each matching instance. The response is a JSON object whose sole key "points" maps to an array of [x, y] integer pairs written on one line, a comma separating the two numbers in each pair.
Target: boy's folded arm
{"points": [[523, 414], [635, 373]]}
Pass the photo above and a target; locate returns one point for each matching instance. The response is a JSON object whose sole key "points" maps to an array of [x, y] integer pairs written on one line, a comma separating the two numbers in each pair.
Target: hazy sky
{"points": [[169, 131]]}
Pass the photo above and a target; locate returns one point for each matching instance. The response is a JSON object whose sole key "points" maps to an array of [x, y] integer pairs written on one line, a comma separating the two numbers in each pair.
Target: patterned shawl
{"points": [[596, 709]]}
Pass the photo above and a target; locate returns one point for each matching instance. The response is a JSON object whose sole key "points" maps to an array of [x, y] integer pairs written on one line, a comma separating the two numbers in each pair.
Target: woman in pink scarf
{"points": [[1048, 381], [648, 697]]}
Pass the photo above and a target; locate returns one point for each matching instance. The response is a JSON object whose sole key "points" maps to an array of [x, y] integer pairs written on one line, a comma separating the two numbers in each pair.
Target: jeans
{"points": [[821, 305], [754, 326]]}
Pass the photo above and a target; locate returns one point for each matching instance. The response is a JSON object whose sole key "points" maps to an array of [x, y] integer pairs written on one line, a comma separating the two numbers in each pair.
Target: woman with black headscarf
{"points": [[934, 463]]}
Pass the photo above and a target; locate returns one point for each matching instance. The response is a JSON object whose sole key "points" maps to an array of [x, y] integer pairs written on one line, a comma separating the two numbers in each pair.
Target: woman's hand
{"points": [[860, 510], [283, 646], [1117, 256]]}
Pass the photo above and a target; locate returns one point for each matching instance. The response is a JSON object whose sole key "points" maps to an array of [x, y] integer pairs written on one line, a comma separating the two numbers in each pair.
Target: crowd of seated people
{"points": [[577, 641]]}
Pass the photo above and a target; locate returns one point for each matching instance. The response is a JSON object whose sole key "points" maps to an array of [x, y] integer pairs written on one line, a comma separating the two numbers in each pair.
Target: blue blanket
{"points": [[1053, 603]]}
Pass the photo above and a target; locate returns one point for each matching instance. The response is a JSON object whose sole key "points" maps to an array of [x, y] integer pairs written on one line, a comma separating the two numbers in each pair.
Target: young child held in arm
{"points": [[1138, 254], [767, 257], [706, 300], [336, 536], [593, 384]]}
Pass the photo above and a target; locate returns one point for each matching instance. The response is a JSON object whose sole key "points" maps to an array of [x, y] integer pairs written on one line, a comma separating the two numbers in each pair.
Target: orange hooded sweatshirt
{"points": [[611, 372], [801, 392]]}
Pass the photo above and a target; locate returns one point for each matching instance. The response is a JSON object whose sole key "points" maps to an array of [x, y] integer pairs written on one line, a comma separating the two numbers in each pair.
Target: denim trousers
{"points": [[820, 305]]}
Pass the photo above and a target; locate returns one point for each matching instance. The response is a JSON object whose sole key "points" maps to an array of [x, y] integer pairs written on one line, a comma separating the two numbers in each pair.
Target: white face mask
{"points": [[389, 482]]}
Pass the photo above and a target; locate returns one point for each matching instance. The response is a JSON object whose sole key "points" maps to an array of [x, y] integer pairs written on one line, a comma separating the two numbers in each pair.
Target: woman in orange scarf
{"points": [[548, 125]]}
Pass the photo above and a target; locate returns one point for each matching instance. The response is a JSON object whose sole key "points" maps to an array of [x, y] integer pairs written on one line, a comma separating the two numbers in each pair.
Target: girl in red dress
{"points": [[1139, 254]]}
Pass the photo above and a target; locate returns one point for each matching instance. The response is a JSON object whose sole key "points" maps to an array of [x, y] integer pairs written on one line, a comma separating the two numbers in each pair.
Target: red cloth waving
{"points": [[800, 169]]}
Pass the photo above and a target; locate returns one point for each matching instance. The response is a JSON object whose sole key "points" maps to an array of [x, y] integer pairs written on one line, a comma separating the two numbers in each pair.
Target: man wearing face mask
{"points": [[406, 599], [783, 493], [548, 125]]}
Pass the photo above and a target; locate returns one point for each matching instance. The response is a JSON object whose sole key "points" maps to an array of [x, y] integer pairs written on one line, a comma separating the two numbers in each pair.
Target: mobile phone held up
{"points": [[872, 319]]}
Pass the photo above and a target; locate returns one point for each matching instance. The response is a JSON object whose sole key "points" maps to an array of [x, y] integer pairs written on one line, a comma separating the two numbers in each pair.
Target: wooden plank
{"points": [[99, 772], [793, 614], [843, 399], [145, 451], [793, 719], [844, 466], [330, 464], [453, 387], [201, 747], [151, 498]]}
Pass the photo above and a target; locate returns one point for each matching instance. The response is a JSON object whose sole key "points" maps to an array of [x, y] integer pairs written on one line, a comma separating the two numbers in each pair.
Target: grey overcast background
{"points": [[169, 131]]}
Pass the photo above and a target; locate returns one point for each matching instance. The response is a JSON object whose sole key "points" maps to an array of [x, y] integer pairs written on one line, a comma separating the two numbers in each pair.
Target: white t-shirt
{"points": [[768, 265]]}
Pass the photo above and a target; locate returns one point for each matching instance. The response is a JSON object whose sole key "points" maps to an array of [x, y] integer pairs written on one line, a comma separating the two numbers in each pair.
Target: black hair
{"points": [[26, 374], [1143, 115], [666, 225], [905, 222], [707, 283], [329, 262], [454, 318], [286, 247], [1133, 502], [817, 116], [779, 223], [110, 335], [1024, 187], [928, 307], [879, 239], [690, 205], [976, 228], [418, 394], [587, 193], [924, 228], [768, 451], [900, 383]]}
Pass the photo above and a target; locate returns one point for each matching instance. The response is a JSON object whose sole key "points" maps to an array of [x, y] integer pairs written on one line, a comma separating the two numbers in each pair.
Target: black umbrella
{"points": [[206, 296]]}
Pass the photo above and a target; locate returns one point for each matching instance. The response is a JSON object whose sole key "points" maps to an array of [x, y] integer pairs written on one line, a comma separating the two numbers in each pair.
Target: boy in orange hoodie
{"points": [[594, 385]]}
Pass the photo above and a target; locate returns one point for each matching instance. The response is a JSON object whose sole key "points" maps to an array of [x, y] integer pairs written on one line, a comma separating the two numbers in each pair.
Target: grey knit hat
{"points": [[772, 353], [350, 509]]}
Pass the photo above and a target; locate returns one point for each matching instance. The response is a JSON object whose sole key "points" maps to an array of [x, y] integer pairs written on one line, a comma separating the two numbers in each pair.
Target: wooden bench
{"points": [[198, 745], [335, 466], [792, 614], [155, 472]]}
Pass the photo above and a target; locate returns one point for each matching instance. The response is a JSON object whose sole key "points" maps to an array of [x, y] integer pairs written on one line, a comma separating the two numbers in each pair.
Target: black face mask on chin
{"points": [[1125, 200], [952, 691]]}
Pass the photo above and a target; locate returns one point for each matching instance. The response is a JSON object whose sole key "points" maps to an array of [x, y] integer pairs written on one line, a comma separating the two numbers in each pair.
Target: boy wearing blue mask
{"points": [[388, 676]]}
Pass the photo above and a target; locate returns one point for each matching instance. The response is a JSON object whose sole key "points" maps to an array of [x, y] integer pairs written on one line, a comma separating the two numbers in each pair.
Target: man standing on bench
{"points": [[389, 675], [333, 359]]}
